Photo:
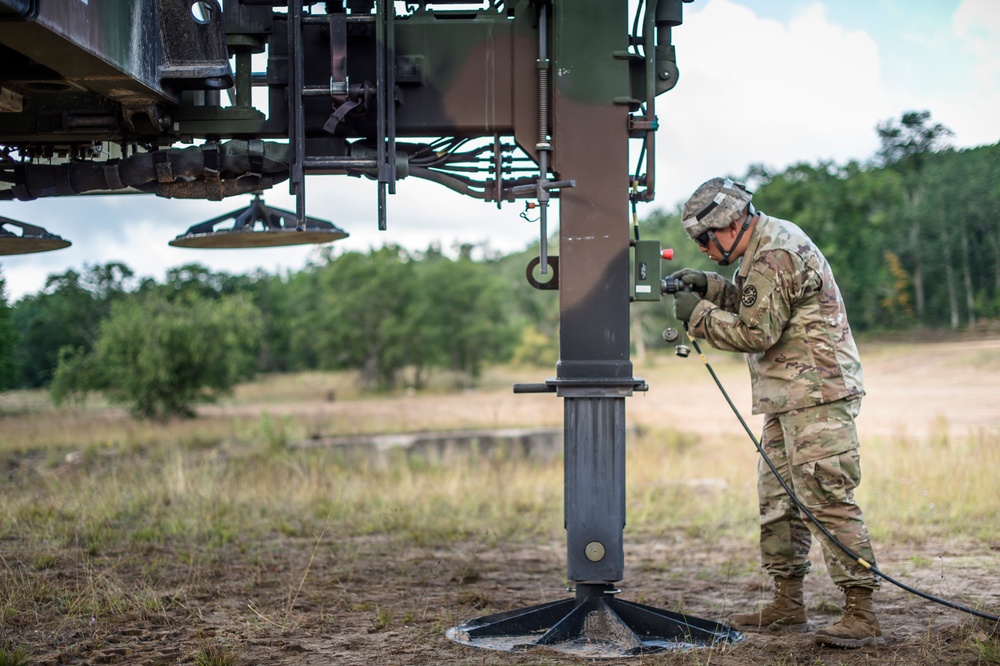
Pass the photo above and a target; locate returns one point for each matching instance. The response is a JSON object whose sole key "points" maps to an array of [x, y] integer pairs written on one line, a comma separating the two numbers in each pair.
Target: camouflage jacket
{"points": [[784, 311]]}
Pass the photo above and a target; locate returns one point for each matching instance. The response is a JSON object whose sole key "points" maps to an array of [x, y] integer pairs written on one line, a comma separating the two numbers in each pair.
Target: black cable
{"points": [[798, 504], [635, 29], [635, 189]]}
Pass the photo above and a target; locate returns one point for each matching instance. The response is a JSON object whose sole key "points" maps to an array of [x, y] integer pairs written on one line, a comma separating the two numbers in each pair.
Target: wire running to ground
{"points": [[808, 514]]}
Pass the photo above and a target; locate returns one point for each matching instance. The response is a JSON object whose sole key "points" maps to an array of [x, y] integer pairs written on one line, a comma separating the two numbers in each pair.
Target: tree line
{"points": [[910, 235], [913, 236], [160, 347]]}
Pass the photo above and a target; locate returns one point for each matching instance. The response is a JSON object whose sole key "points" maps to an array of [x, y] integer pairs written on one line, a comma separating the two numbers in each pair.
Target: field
{"points": [[238, 538]]}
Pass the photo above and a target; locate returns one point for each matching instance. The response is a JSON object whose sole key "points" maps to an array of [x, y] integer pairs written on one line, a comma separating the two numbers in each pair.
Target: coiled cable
{"points": [[795, 500]]}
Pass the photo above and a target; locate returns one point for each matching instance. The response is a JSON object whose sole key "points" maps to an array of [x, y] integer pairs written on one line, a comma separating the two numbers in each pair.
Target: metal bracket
{"points": [[385, 68], [296, 114], [587, 387], [195, 50]]}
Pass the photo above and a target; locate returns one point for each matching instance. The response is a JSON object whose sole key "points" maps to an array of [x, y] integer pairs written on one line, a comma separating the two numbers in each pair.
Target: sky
{"points": [[771, 82]]}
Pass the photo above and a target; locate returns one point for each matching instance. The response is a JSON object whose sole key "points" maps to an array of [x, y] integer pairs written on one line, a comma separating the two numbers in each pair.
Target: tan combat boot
{"points": [[858, 627], [786, 612]]}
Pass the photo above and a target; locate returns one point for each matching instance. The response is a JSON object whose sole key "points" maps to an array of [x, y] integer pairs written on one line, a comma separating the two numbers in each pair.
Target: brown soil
{"points": [[378, 605], [369, 601]]}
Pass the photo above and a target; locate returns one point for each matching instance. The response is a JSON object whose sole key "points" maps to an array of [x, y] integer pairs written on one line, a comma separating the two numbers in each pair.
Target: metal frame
{"points": [[561, 77], [594, 373]]}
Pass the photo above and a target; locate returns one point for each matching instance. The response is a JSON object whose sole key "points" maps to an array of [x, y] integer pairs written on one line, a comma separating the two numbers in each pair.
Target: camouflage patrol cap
{"points": [[715, 204]]}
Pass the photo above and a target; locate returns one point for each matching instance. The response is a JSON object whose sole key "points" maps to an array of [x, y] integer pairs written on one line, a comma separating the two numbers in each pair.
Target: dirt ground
{"points": [[913, 391], [370, 601], [383, 606]]}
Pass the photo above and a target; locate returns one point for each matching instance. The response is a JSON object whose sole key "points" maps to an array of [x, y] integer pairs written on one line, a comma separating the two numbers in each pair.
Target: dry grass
{"points": [[289, 407], [89, 483], [79, 469]]}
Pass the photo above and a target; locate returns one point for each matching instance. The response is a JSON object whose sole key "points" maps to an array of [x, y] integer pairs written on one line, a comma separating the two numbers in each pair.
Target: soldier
{"points": [[785, 312]]}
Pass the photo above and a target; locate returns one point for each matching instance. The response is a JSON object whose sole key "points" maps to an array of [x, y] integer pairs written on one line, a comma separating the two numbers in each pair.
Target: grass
{"points": [[11, 655], [220, 475], [987, 647], [932, 488], [216, 655], [96, 501]]}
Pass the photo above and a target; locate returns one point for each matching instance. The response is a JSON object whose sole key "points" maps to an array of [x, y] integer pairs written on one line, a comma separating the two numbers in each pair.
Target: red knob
{"points": [[668, 254]]}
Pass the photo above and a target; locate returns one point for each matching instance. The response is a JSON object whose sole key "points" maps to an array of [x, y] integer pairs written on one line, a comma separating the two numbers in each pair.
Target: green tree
{"points": [[458, 315], [65, 313], [962, 195], [161, 357], [351, 312], [905, 148], [7, 374], [274, 296], [527, 308], [298, 327], [198, 280], [979, 237], [846, 210]]}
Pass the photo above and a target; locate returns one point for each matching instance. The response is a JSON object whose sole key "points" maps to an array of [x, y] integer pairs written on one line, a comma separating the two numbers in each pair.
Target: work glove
{"points": [[684, 304], [697, 280]]}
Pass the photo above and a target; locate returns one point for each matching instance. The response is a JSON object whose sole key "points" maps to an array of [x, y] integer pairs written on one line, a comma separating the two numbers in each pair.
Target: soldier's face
{"points": [[723, 237]]}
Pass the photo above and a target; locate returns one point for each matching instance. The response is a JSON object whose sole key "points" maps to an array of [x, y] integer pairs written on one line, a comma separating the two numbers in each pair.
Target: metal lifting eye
{"points": [[203, 11]]}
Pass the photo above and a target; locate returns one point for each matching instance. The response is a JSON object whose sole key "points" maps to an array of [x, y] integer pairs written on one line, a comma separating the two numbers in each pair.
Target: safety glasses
{"points": [[704, 238]]}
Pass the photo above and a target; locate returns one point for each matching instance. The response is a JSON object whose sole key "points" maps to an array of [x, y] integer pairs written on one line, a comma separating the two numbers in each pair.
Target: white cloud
{"points": [[136, 229], [751, 90], [755, 90], [22, 279], [975, 118], [978, 22], [419, 213]]}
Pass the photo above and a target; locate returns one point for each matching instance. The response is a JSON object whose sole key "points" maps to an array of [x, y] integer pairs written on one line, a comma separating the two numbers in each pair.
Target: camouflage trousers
{"points": [[815, 450]]}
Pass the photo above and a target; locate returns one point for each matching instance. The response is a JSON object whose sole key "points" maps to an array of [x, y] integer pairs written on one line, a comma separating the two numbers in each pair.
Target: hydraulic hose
{"points": [[798, 504], [211, 171]]}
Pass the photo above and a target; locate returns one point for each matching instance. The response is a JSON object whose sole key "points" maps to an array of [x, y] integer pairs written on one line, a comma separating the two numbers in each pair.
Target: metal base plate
{"points": [[31, 239], [18, 245], [250, 239], [592, 626], [258, 225]]}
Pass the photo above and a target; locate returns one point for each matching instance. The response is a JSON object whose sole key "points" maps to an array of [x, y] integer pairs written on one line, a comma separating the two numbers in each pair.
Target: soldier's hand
{"points": [[697, 280], [684, 304]]}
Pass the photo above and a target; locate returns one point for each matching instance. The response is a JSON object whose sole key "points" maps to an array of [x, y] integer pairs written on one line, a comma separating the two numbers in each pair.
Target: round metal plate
{"points": [[20, 245], [268, 238]]}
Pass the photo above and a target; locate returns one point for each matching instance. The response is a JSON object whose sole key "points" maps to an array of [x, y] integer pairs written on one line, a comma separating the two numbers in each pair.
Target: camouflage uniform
{"points": [[784, 311]]}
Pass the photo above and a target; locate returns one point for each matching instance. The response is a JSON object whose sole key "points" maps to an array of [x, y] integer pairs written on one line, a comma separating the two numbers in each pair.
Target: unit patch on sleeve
{"points": [[749, 295]]}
